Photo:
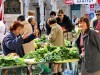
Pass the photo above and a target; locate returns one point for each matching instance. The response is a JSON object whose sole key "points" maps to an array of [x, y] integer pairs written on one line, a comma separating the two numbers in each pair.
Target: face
{"points": [[52, 16], [61, 16], [18, 31], [74, 16], [83, 26], [98, 15], [33, 22]]}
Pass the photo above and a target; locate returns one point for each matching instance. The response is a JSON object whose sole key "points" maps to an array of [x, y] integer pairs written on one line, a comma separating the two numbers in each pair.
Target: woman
{"points": [[89, 48], [66, 24], [12, 42], [33, 23], [55, 35]]}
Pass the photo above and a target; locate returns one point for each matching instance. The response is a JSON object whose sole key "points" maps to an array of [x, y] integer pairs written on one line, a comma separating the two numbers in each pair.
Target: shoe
{"points": [[59, 73]]}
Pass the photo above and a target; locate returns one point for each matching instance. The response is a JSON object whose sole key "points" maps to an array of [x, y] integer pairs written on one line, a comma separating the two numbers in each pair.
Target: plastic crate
{"points": [[13, 71]]}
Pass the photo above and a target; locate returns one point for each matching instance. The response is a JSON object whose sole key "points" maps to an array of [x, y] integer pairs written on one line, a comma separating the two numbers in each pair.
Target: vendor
{"points": [[56, 38], [12, 42]]}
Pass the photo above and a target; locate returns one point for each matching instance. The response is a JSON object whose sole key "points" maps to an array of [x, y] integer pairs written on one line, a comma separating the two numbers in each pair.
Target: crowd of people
{"points": [[21, 33]]}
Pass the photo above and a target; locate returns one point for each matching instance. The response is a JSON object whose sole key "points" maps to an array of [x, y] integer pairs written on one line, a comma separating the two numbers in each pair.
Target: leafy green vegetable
{"points": [[11, 61], [53, 53]]}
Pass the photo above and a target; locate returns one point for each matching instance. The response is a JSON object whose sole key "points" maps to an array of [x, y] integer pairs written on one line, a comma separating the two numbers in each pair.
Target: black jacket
{"points": [[65, 23], [92, 50]]}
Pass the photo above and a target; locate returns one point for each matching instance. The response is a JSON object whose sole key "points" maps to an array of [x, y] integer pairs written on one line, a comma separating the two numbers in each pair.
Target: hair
{"points": [[86, 20], [21, 18], [60, 11], [31, 12], [52, 13], [52, 21], [30, 20], [15, 25], [98, 11]]}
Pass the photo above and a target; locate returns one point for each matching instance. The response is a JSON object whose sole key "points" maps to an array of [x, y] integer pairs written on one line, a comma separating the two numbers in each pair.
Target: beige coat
{"points": [[56, 36], [28, 46]]}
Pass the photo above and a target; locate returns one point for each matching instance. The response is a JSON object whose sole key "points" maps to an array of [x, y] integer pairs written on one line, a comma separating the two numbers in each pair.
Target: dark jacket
{"points": [[92, 50], [48, 28], [11, 44], [65, 23], [95, 24]]}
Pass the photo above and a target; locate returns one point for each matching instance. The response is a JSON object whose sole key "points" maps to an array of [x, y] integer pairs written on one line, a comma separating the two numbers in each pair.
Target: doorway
{"points": [[75, 9]]}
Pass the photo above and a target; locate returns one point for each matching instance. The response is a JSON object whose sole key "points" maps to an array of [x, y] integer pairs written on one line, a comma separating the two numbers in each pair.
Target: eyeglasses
{"points": [[97, 14]]}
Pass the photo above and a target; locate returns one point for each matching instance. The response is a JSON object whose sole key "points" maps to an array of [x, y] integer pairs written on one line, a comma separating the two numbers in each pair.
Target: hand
{"points": [[25, 35], [36, 32]]}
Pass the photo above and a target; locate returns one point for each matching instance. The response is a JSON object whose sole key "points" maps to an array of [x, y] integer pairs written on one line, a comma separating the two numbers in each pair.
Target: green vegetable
{"points": [[11, 61], [53, 53]]}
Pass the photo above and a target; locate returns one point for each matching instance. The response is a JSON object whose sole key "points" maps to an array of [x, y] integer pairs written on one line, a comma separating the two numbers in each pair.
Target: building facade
{"points": [[14, 8]]}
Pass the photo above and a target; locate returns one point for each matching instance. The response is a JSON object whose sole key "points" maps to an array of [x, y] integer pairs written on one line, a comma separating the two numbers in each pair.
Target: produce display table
{"points": [[35, 68], [14, 70], [65, 61]]}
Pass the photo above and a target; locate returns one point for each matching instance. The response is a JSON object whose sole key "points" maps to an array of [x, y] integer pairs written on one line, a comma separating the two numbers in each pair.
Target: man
{"points": [[56, 38], [27, 27], [48, 28], [96, 23], [75, 19]]}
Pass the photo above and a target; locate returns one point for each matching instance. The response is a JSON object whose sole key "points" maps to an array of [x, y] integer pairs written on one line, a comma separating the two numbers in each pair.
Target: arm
{"points": [[68, 24], [13, 43], [53, 35], [95, 38], [29, 38]]}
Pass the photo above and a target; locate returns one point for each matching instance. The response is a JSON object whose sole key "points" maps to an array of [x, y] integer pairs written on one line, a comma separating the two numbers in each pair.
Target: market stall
{"points": [[37, 61]]}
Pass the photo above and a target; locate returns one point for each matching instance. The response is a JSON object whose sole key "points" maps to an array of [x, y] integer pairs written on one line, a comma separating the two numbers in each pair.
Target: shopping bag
{"points": [[45, 69], [68, 72]]}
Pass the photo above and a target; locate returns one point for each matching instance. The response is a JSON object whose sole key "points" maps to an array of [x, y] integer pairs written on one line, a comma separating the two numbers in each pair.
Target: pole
{"points": [[26, 8], [41, 5]]}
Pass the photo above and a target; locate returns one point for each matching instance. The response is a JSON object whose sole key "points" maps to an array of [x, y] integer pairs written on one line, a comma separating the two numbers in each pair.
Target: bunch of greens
{"points": [[67, 43], [11, 61], [38, 54], [53, 53], [40, 42]]}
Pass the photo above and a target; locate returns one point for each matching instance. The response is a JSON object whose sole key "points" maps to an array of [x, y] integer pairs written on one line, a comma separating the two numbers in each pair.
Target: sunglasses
{"points": [[59, 15], [97, 14]]}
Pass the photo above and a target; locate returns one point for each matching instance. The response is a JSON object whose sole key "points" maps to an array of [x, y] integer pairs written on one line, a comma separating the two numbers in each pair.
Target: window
{"points": [[12, 7]]}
